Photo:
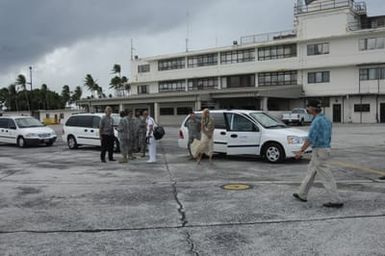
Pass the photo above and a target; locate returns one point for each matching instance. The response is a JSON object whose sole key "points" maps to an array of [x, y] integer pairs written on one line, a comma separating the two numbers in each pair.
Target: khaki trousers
{"points": [[319, 165]]}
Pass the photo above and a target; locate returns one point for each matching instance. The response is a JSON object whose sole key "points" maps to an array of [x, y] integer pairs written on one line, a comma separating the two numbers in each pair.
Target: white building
{"points": [[335, 53]]}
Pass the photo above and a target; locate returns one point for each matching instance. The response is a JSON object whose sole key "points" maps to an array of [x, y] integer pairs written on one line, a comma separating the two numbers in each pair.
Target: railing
{"points": [[266, 37], [359, 7], [355, 26]]}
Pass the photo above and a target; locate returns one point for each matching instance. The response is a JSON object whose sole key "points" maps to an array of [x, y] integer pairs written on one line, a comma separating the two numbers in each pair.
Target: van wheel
{"points": [[21, 142], [274, 153], [116, 146], [71, 142], [301, 123]]}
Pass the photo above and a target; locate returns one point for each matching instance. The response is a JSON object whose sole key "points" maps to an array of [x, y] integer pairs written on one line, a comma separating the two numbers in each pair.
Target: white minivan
{"points": [[248, 132], [25, 130], [83, 129]]}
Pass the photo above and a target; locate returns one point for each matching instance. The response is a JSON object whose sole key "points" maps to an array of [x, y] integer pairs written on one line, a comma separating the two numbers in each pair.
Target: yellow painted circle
{"points": [[236, 186]]}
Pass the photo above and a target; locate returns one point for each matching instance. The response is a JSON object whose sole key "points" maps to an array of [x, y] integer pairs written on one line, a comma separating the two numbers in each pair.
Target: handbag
{"points": [[158, 132]]}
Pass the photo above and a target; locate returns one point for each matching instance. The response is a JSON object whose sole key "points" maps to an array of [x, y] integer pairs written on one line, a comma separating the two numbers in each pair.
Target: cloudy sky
{"points": [[63, 40]]}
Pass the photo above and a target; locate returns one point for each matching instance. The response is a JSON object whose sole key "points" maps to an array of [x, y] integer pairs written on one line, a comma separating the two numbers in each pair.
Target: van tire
{"points": [[21, 142], [71, 142], [301, 123], [273, 152]]}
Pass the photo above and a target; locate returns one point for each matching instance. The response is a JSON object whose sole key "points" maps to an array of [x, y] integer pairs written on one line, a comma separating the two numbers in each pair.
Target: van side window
{"points": [[240, 123], [11, 124], [219, 120], [95, 122], [72, 121], [3, 122]]}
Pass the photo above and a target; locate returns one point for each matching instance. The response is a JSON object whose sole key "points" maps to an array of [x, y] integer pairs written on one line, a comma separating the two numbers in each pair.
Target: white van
{"points": [[25, 130], [247, 132], [83, 129]]}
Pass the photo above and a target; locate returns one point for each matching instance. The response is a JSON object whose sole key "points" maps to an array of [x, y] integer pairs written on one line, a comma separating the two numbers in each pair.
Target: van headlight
{"points": [[295, 140]]}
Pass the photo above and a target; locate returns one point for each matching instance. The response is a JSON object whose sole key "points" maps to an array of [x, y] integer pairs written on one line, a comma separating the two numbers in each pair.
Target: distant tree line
{"points": [[17, 97]]}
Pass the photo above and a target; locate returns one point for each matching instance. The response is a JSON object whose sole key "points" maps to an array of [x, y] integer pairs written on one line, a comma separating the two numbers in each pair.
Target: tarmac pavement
{"points": [[56, 201]]}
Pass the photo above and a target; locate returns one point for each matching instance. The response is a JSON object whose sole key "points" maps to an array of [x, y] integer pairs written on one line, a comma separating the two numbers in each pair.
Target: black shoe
{"points": [[333, 205], [299, 198], [103, 160], [112, 160]]}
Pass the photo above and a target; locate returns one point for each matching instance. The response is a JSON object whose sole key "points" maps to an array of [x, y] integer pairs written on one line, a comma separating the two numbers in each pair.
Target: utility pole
{"points": [[30, 77]]}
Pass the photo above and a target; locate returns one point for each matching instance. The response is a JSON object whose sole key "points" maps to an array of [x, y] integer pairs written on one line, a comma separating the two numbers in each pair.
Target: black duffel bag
{"points": [[158, 132]]}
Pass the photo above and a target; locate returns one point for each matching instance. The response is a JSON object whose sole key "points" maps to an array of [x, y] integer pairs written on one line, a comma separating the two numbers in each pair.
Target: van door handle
{"points": [[233, 135], [85, 130], [91, 130], [223, 133], [2, 130], [6, 130]]}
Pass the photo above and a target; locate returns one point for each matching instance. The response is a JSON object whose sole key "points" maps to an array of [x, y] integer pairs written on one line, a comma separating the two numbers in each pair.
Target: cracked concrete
{"points": [[55, 201]]}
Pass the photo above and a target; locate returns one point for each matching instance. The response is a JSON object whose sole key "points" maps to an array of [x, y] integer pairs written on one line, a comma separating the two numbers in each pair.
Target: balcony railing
{"points": [[357, 7], [266, 37], [355, 26]]}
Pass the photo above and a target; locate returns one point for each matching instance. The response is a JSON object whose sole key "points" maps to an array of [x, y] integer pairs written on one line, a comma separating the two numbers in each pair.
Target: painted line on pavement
{"points": [[357, 167]]}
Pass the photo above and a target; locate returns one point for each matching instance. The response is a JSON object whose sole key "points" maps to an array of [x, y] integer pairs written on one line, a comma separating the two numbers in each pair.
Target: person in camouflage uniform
{"points": [[123, 134], [141, 128], [131, 135]]}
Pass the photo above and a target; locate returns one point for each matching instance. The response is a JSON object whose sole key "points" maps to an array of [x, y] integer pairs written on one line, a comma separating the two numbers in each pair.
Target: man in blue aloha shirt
{"points": [[319, 139]]}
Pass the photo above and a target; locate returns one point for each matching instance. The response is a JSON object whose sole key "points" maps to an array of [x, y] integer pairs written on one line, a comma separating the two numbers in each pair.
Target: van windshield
{"points": [[267, 121], [28, 122]]}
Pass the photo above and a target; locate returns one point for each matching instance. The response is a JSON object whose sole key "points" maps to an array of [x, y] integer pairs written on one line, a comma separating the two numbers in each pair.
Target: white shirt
{"points": [[150, 122]]}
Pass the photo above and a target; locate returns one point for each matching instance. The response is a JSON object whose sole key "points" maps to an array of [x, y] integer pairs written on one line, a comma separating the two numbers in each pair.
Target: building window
{"points": [[202, 60], [166, 111], [172, 86], [183, 111], [170, 64], [361, 107], [277, 78], [372, 43], [277, 52], [143, 89], [317, 49], [144, 68], [203, 84], [237, 56], [372, 74], [240, 81], [318, 77]]}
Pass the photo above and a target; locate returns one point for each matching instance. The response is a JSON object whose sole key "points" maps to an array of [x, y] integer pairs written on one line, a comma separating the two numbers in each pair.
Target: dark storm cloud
{"points": [[31, 28]]}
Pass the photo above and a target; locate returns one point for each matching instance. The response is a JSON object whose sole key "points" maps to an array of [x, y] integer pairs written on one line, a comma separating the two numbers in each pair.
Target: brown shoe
{"points": [[299, 198]]}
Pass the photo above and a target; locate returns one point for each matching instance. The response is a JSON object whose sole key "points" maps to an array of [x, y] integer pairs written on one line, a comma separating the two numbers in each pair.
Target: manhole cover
{"points": [[236, 186]]}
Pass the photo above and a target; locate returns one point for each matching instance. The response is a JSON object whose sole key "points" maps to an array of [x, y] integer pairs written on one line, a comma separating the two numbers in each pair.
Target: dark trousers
{"points": [[107, 145]]}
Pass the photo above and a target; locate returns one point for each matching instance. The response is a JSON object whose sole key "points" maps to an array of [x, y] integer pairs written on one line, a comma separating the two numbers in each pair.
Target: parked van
{"points": [[25, 130], [83, 129], [246, 132]]}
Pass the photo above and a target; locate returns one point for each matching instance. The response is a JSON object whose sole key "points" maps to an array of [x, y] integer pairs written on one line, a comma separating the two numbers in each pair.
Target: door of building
{"points": [[382, 113], [337, 113]]}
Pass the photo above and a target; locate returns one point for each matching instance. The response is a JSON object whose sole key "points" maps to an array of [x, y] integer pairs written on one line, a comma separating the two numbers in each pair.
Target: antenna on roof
{"points": [[132, 49], [187, 29]]}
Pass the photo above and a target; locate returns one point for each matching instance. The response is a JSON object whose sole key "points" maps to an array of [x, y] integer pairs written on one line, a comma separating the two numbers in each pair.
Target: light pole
{"points": [[30, 76]]}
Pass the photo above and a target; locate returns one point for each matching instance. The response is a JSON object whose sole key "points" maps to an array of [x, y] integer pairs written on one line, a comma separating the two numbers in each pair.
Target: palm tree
{"points": [[125, 85], [21, 81], [77, 94], [91, 84], [116, 69], [66, 94], [12, 90], [116, 83], [44, 92]]}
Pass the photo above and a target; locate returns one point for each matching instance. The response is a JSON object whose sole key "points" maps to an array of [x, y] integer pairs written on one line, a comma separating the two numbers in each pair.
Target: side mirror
{"points": [[12, 127]]}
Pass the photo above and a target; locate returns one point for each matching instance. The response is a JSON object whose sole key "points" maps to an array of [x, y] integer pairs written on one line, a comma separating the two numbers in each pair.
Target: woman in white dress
{"points": [[206, 144]]}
